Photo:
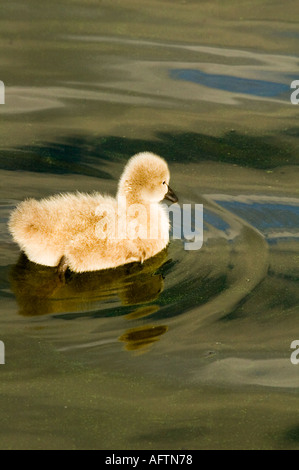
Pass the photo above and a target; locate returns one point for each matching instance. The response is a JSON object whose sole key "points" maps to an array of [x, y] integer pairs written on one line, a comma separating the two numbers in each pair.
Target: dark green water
{"points": [[192, 349]]}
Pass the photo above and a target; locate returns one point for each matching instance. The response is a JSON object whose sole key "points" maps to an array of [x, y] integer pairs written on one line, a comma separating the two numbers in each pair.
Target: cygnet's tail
{"points": [[23, 222], [30, 228]]}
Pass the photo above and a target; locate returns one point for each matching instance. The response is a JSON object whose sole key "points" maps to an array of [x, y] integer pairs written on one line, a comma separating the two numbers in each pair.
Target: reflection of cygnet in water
{"points": [[94, 232], [39, 292]]}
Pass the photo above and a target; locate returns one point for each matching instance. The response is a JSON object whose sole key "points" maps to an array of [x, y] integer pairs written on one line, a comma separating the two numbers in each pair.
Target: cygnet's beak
{"points": [[170, 195]]}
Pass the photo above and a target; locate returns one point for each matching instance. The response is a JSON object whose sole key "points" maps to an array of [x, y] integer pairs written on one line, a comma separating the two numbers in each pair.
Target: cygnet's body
{"points": [[93, 232]]}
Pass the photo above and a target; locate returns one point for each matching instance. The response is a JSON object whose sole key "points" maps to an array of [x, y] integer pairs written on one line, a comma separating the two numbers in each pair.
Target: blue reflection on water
{"points": [[265, 216], [214, 220], [230, 83]]}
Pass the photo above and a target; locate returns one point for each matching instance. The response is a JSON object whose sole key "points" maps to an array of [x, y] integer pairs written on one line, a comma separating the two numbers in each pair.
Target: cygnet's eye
{"points": [[164, 182]]}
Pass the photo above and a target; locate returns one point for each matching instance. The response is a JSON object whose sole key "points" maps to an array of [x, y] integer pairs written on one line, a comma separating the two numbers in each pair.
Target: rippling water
{"points": [[192, 349]]}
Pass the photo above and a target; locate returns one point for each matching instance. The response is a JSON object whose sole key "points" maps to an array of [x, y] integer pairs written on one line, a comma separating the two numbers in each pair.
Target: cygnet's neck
{"points": [[129, 197]]}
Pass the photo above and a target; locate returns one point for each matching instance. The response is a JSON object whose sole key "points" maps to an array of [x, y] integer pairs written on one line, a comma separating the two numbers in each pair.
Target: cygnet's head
{"points": [[146, 179]]}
